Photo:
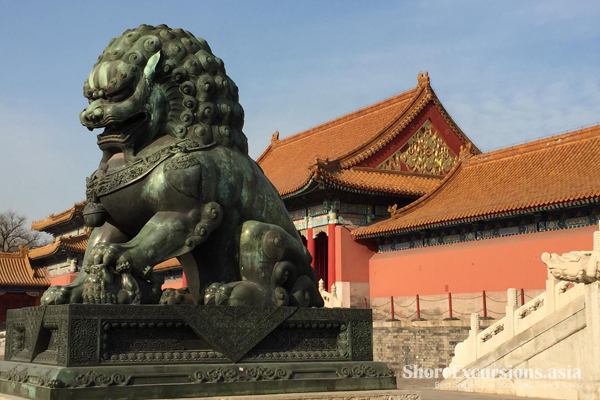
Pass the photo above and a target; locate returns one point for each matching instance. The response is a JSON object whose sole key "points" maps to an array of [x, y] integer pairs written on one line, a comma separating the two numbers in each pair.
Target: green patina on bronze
{"points": [[175, 180], [88, 351]]}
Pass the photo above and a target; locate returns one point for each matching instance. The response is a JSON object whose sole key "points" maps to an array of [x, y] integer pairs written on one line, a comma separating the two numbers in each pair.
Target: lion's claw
{"points": [[99, 287], [123, 267]]}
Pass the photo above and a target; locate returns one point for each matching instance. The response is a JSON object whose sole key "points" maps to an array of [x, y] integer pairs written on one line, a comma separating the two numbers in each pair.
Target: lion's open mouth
{"points": [[120, 132]]}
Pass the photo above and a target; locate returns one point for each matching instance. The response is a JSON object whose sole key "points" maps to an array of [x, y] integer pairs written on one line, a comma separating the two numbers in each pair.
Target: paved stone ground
{"points": [[429, 392], [425, 386]]}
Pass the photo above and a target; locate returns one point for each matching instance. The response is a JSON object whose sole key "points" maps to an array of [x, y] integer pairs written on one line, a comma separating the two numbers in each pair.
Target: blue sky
{"points": [[507, 71]]}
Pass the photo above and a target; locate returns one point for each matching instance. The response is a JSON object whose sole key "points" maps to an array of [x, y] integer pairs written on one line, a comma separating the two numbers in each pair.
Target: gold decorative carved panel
{"points": [[425, 152]]}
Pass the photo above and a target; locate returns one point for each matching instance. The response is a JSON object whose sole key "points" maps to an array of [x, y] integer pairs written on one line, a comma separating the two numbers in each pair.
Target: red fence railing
{"points": [[389, 309]]}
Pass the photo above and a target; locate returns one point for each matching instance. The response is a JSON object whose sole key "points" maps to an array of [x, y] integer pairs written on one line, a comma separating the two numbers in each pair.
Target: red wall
{"points": [[492, 264], [353, 256], [173, 284], [62, 280]]}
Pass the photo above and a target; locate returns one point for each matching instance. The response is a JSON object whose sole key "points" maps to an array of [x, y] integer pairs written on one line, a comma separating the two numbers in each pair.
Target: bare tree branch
{"points": [[13, 232]]}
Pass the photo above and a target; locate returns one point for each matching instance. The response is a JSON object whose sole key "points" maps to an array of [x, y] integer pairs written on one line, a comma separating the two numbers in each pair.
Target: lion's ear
{"points": [[150, 67]]}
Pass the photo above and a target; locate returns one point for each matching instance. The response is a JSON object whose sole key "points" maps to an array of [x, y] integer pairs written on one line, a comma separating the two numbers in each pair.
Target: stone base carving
{"points": [[152, 352]]}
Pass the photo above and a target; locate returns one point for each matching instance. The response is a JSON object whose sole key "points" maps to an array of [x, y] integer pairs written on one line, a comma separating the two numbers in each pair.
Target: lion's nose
{"points": [[94, 115]]}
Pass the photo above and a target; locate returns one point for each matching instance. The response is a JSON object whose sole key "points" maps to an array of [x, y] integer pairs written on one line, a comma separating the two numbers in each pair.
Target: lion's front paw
{"points": [[176, 296], [210, 293], [118, 257], [105, 254], [56, 295], [99, 286], [234, 294]]}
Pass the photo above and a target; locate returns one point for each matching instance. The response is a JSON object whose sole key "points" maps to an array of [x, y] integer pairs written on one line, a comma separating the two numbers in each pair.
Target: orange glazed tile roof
{"points": [[560, 170], [55, 219], [376, 180], [170, 263], [289, 163], [15, 270], [74, 243]]}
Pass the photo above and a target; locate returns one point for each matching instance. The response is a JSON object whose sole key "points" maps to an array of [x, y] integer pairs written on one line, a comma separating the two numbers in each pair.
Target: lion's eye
{"points": [[120, 95]]}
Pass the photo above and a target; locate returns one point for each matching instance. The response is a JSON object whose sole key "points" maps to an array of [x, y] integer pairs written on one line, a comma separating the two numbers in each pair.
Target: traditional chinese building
{"points": [[63, 257], [347, 172], [490, 219], [21, 285], [462, 221]]}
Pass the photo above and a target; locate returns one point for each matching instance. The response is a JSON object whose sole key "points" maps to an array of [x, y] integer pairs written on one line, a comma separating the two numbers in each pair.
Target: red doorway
{"points": [[321, 257]]}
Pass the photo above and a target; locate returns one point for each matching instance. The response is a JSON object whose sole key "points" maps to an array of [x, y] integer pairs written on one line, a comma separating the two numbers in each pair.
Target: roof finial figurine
{"points": [[393, 210], [326, 164], [466, 153], [275, 137], [423, 79]]}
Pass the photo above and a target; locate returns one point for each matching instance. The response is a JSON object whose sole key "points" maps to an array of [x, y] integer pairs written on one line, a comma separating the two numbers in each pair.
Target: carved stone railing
{"points": [[331, 300], [66, 267], [2, 343], [558, 294], [528, 334], [530, 313], [566, 292]]}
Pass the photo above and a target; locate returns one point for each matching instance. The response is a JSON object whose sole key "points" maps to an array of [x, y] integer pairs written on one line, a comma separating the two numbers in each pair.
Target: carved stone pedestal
{"points": [[152, 352]]}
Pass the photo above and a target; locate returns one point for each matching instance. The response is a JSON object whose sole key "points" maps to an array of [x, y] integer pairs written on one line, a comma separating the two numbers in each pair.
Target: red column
{"points": [[310, 245], [331, 256]]}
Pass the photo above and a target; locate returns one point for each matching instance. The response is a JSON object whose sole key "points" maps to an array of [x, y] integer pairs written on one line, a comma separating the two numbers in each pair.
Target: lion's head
{"points": [[156, 81]]}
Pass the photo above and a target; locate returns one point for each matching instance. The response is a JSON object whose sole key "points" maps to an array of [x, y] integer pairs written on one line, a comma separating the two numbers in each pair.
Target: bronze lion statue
{"points": [[175, 180]]}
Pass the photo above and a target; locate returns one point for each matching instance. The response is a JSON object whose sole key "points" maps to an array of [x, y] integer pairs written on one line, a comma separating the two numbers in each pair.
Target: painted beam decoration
{"points": [[503, 228]]}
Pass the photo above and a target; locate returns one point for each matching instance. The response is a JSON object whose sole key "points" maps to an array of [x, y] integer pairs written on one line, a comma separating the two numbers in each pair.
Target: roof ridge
{"points": [[390, 131], [457, 129], [75, 237], [52, 216], [409, 174], [29, 268], [304, 183], [537, 145], [424, 96], [346, 177], [265, 152], [420, 201], [71, 210], [53, 245], [345, 118], [14, 254]]}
